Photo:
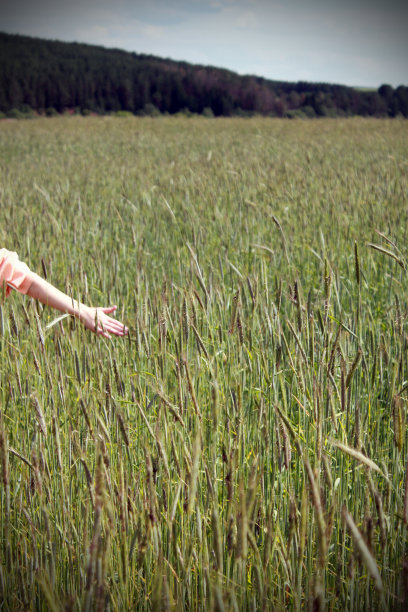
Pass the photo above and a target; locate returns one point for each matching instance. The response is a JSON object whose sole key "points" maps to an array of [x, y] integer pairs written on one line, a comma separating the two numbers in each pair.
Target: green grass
{"points": [[245, 448]]}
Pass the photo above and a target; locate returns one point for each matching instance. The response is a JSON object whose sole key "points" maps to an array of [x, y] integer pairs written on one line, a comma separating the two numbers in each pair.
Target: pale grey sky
{"points": [[353, 42]]}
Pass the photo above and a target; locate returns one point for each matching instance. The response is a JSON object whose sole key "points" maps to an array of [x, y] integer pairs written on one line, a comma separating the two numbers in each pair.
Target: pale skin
{"points": [[95, 319]]}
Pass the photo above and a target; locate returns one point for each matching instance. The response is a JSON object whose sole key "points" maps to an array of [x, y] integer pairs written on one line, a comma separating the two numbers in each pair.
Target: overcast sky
{"points": [[353, 42]]}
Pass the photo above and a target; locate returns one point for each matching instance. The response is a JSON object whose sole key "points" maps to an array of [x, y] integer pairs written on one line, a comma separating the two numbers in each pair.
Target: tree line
{"points": [[54, 77]]}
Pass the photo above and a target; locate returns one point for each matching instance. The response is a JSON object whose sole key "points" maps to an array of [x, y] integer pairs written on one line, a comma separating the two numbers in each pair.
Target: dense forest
{"points": [[51, 77]]}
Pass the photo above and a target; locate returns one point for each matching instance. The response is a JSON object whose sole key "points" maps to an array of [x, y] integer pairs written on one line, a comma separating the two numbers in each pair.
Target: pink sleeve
{"points": [[14, 272]]}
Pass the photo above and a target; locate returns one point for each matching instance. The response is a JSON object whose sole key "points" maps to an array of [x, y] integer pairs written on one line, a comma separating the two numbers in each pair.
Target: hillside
{"points": [[53, 76]]}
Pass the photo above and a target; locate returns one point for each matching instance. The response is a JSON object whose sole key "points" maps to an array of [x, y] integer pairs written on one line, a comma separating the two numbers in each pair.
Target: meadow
{"points": [[245, 448]]}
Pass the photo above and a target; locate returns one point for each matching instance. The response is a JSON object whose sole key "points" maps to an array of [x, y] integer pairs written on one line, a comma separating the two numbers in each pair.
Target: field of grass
{"points": [[245, 448]]}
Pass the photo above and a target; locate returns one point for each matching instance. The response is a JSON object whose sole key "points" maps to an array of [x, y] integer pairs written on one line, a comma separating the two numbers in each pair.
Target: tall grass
{"points": [[245, 448]]}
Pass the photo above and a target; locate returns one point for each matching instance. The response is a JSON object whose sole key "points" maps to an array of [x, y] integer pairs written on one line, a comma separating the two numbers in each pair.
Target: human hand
{"points": [[97, 320]]}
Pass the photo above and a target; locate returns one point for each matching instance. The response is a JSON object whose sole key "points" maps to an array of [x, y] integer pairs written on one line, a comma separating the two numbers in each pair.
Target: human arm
{"points": [[95, 319], [16, 275]]}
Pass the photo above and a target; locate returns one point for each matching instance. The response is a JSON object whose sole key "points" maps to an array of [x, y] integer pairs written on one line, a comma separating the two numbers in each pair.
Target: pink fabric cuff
{"points": [[14, 272]]}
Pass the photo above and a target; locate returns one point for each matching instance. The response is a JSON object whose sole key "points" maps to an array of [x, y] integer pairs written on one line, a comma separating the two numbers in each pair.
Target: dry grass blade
{"points": [[292, 432], [194, 474], [234, 310], [52, 600], [231, 265], [263, 248], [406, 495], [317, 503], [40, 415], [20, 456], [298, 342], [353, 367], [200, 341], [384, 237], [278, 225], [4, 455], [57, 320], [352, 452], [198, 269], [192, 391], [149, 429], [367, 557], [173, 409], [379, 248]]}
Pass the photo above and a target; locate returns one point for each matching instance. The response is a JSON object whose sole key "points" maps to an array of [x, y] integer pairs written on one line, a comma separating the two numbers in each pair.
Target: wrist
{"points": [[78, 310]]}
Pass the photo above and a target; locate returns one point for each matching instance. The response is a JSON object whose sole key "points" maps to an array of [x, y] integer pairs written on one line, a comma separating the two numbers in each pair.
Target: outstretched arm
{"points": [[95, 319], [16, 275]]}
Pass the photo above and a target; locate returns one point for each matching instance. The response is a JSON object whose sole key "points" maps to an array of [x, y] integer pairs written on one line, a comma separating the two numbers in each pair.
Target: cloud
{"points": [[246, 20], [357, 41], [154, 31]]}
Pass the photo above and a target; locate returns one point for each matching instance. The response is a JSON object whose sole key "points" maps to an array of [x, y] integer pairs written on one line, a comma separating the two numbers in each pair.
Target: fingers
{"points": [[109, 309], [112, 326], [115, 327], [102, 332], [110, 321], [107, 325]]}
